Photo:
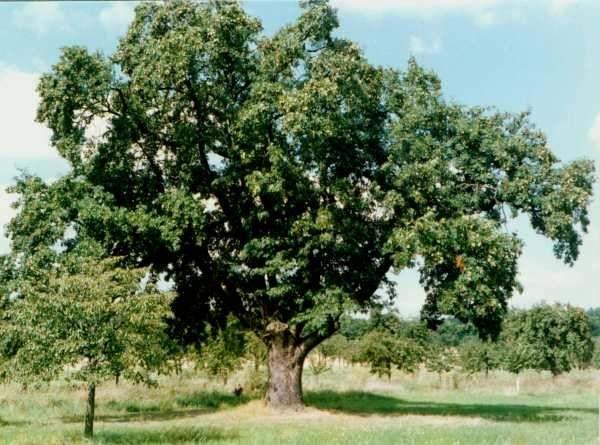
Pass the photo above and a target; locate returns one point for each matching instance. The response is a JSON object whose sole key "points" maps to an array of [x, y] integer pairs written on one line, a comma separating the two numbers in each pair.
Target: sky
{"points": [[516, 55]]}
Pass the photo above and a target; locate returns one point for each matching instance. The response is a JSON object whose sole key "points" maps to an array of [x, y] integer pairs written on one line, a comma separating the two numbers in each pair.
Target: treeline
{"points": [[552, 338]]}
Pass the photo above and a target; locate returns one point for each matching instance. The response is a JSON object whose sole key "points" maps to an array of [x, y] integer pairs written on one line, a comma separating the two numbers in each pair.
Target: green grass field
{"points": [[345, 406]]}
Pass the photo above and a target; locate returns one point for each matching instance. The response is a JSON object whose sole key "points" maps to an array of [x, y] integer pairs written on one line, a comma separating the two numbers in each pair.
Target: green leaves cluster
{"points": [[281, 178], [554, 338], [96, 322]]}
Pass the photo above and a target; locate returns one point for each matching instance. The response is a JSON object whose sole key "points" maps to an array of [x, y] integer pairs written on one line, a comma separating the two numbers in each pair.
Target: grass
{"points": [[344, 406]]}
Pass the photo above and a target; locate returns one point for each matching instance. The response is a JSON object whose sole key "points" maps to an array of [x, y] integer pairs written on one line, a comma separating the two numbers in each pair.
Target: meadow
{"points": [[346, 405]]}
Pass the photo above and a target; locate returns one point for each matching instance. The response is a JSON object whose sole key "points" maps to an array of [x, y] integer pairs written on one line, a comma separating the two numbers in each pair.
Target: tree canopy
{"points": [[282, 178], [95, 321], [554, 338]]}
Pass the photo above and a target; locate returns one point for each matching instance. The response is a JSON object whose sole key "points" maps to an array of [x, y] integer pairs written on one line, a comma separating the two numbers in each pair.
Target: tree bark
{"points": [[285, 364], [89, 411]]}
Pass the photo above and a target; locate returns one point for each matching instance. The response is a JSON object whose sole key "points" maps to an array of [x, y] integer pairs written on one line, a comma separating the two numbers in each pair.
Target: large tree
{"points": [[282, 178]]}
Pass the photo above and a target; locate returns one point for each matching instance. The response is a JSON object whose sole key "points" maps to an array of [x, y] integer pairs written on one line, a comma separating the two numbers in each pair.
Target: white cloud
{"points": [[418, 45], [21, 137], [117, 16], [560, 6], [486, 18], [40, 17], [594, 132], [482, 12], [421, 7]]}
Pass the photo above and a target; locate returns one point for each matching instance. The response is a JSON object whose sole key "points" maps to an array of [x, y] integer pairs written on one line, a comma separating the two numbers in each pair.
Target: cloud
{"points": [[40, 17], [558, 7], [21, 137], [482, 12], [417, 45], [594, 132], [419, 7], [117, 16]]}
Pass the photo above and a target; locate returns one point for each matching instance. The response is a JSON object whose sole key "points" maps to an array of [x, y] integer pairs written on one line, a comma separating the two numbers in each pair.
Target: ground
{"points": [[345, 405]]}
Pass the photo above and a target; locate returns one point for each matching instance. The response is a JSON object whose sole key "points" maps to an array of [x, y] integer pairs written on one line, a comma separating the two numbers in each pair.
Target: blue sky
{"points": [[540, 55]]}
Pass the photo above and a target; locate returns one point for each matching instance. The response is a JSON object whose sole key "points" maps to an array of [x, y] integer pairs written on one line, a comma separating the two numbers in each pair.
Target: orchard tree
{"points": [[440, 359], [554, 338], [382, 350], [98, 321], [479, 356], [517, 356], [282, 178], [223, 351]]}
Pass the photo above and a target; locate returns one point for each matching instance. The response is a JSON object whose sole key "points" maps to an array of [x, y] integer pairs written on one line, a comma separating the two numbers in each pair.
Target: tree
{"points": [[554, 338], [281, 178], [454, 333], [440, 359], [517, 355], [222, 352], [594, 318], [99, 321], [479, 356], [383, 350]]}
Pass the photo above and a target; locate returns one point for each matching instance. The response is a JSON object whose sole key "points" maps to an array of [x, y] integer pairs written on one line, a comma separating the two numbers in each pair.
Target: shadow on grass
{"points": [[162, 436], [183, 406], [13, 422], [363, 403]]}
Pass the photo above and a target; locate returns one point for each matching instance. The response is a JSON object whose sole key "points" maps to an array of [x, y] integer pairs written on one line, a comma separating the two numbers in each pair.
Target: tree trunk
{"points": [[518, 384], [89, 411], [285, 365]]}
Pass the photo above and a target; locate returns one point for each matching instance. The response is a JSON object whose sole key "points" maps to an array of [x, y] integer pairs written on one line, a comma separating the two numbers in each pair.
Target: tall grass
{"points": [[344, 405]]}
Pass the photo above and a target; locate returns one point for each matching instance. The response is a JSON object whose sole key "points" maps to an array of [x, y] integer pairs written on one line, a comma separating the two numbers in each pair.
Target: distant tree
{"points": [[255, 350], [453, 332], [317, 363], [440, 359], [281, 177], [222, 353], [353, 328], [594, 320], [96, 322], [335, 347], [516, 356], [595, 363], [383, 350], [555, 338], [479, 356]]}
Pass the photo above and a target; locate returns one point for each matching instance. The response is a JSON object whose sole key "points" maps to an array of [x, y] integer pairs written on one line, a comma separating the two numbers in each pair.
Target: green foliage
{"points": [[479, 356], [594, 320], [555, 338], [595, 362], [98, 321], [335, 347], [280, 178], [383, 350], [317, 363], [255, 350], [222, 352], [453, 332], [440, 359]]}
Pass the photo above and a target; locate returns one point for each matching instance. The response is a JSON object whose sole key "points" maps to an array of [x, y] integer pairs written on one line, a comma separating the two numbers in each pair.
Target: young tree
{"points": [[223, 351], [98, 321], [517, 355], [335, 347], [440, 359], [281, 178], [383, 350], [555, 338], [479, 356]]}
